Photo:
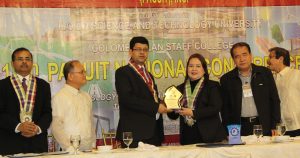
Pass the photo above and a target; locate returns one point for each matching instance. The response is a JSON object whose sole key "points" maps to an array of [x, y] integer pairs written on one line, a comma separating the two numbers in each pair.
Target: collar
{"points": [[250, 73], [21, 77], [136, 65], [284, 71], [72, 89], [254, 70], [141, 66]]}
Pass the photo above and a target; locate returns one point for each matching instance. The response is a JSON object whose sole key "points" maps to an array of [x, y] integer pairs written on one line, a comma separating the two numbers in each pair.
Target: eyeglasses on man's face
{"points": [[83, 72], [23, 59], [141, 50]]}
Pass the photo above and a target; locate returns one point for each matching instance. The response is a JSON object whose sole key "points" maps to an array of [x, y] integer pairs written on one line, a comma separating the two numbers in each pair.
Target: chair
{"points": [[108, 135]]}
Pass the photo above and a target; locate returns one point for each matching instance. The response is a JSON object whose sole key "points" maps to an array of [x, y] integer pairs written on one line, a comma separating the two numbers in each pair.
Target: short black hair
{"points": [[203, 63], [138, 39], [69, 66], [16, 51], [281, 52], [240, 44]]}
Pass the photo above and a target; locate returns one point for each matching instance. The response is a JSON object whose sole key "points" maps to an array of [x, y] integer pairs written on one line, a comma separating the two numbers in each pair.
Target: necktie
{"points": [[24, 84], [144, 73]]}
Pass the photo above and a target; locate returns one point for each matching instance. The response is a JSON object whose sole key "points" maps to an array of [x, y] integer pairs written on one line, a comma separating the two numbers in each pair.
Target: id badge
{"points": [[247, 91]]}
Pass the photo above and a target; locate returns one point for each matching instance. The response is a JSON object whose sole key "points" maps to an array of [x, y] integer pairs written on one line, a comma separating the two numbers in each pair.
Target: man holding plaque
{"points": [[140, 107], [25, 108]]}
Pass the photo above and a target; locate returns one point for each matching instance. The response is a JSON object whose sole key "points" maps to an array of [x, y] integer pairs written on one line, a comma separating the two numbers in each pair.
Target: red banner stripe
{"points": [[143, 3]]}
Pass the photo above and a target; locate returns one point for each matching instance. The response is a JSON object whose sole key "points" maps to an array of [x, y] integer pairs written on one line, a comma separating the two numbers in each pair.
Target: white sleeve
{"points": [[93, 130], [57, 125], [16, 129]]}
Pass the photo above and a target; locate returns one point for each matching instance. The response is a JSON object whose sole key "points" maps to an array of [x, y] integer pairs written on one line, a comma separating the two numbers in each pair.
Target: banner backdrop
{"points": [[99, 36]]}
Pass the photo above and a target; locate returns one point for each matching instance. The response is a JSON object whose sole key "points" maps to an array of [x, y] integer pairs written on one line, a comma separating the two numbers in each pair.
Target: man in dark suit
{"points": [[249, 94], [25, 108], [140, 106]]}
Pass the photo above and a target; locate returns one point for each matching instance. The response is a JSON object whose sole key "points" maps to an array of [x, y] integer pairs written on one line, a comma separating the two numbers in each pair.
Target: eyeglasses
{"points": [[80, 72], [140, 50], [23, 59]]}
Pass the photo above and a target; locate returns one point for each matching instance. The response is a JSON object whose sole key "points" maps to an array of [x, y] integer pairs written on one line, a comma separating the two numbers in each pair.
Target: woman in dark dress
{"points": [[201, 104]]}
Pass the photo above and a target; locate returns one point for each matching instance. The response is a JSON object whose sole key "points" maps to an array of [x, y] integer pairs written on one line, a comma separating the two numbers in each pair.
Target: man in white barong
{"points": [[288, 84], [72, 110]]}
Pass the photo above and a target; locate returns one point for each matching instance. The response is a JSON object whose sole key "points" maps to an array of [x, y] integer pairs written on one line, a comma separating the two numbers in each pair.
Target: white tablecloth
{"points": [[264, 150]]}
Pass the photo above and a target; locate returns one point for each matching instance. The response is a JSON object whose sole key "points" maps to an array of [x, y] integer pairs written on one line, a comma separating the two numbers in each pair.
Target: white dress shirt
{"points": [[72, 115], [288, 85]]}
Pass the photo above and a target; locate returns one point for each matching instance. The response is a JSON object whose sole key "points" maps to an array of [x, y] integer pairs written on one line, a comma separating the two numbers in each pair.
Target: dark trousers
{"points": [[294, 133], [190, 134], [247, 125], [155, 140]]}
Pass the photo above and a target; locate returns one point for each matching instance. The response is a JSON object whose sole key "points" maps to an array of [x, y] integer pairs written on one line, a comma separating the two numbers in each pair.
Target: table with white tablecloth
{"points": [[289, 149]]}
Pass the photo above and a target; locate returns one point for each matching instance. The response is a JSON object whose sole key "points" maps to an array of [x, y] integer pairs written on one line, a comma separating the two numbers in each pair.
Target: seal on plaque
{"points": [[172, 98]]}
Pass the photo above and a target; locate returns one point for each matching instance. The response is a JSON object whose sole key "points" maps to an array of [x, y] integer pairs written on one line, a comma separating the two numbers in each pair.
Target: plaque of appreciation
{"points": [[172, 98]]}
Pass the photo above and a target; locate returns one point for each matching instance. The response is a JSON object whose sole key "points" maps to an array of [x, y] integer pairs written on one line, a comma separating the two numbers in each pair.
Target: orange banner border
{"points": [[143, 3]]}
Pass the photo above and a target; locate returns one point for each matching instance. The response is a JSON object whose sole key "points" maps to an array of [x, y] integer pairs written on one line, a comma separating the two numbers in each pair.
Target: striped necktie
{"points": [[144, 73], [24, 84]]}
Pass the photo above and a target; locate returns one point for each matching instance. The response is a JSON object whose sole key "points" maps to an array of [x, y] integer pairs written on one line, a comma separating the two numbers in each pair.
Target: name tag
{"points": [[247, 91]]}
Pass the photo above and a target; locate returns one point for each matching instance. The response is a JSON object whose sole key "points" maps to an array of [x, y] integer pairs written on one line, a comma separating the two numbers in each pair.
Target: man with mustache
{"points": [[249, 94], [287, 80], [25, 108], [140, 107]]}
